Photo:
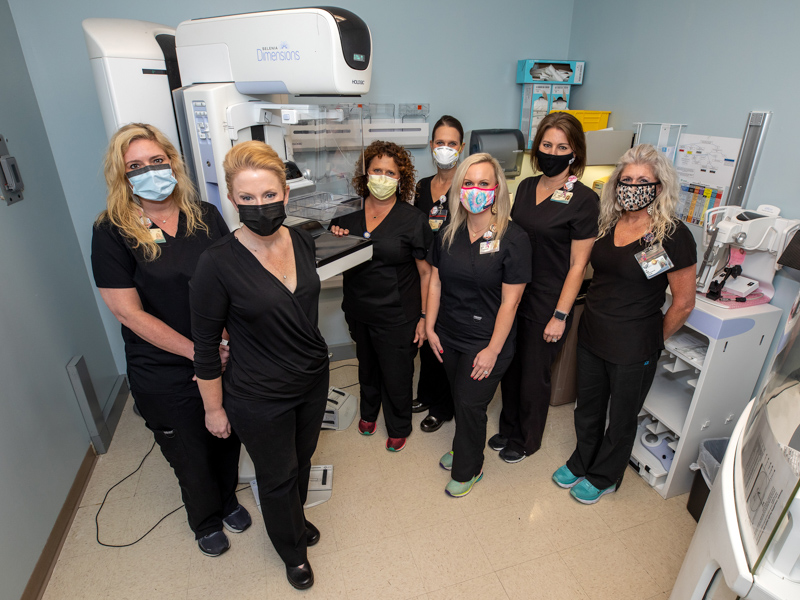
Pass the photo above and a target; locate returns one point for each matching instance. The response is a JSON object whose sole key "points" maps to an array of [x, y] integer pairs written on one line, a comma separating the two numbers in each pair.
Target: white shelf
{"points": [[688, 346], [669, 400], [650, 467]]}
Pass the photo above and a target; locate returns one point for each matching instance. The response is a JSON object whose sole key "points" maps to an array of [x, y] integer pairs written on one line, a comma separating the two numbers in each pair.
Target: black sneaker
{"points": [[238, 520], [418, 407], [497, 442], [214, 544], [511, 456]]}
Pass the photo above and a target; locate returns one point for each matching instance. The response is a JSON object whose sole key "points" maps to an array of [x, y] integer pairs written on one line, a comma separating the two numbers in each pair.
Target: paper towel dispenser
{"points": [[506, 145]]}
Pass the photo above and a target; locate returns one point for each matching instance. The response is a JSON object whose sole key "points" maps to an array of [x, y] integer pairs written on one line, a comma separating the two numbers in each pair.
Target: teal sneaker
{"points": [[446, 462], [457, 489], [564, 477], [585, 493]]}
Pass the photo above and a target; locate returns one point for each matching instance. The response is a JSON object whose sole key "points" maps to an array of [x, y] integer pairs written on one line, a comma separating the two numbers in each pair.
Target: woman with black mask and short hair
{"points": [[559, 214], [260, 283]]}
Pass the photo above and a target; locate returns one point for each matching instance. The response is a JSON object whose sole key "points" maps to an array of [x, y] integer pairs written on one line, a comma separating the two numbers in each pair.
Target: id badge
{"points": [[561, 196], [158, 236], [654, 261], [437, 217], [490, 246]]}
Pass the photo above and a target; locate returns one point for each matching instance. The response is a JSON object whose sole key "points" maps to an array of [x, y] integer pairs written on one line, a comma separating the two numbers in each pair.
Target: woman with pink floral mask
{"points": [[481, 263]]}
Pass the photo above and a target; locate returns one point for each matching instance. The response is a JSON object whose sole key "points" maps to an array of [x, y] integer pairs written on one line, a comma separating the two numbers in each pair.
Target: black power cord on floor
{"points": [[97, 516]]}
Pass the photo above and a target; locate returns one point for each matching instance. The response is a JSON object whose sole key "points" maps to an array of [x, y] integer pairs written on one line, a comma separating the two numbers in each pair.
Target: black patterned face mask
{"points": [[636, 196]]}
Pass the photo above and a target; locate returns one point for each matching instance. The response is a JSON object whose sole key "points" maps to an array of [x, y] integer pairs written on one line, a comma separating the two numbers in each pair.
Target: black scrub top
{"points": [[385, 291], [423, 200], [622, 321], [551, 226], [163, 287], [472, 286], [277, 351]]}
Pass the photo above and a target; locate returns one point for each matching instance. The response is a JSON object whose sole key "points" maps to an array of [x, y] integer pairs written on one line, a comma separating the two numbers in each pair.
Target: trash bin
{"points": [[563, 375], [705, 472]]}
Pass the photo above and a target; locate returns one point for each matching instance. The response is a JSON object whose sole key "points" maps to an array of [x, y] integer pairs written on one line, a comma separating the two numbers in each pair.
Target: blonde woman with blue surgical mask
{"points": [[384, 298], [145, 248]]}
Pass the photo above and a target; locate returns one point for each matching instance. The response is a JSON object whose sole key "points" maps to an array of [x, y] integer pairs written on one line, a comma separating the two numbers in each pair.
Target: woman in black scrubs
{"points": [[559, 214], [481, 263], [260, 284], [384, 298], [145, 247], [447, 142], [640, 250]]}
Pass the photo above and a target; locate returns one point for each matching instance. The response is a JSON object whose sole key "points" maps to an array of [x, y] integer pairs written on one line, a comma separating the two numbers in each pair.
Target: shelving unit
{"points": [[705, 378]]}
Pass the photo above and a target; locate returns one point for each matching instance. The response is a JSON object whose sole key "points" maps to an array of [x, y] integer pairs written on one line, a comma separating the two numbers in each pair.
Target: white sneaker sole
{"points": [[603, 493], [570, 485]]}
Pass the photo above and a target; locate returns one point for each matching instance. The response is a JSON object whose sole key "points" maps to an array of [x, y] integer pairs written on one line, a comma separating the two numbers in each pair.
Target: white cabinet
{"points": [[705, 378]]}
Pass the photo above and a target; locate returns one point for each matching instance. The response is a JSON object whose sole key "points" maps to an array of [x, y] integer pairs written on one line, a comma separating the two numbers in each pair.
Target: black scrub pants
{"points": [[281, 436], [207, 467], [433, 387], [526, 386], [385, 373], [471, 398], [602, 454]]}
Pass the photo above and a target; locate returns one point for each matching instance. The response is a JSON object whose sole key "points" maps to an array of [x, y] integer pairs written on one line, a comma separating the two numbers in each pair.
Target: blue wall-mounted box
{"points": [[567, 72]]}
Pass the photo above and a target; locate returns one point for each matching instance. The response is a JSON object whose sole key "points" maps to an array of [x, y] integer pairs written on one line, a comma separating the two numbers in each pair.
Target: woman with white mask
{"points": [[447, 144]]}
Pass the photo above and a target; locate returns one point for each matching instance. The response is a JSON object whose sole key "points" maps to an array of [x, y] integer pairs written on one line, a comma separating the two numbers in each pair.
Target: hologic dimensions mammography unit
{"points": [[214, 82]]}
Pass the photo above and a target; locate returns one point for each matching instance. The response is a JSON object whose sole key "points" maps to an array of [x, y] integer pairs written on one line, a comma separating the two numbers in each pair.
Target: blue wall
{"points": [[457, 55], [707, 64], [48, 316]]}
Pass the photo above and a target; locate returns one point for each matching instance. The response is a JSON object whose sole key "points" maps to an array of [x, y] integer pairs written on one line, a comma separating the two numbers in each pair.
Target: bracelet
{"points": [[421, 315]]}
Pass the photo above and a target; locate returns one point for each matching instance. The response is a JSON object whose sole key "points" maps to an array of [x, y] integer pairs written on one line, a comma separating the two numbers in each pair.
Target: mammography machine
{"points": [[212, 83], [215, 82], [742, 248]]}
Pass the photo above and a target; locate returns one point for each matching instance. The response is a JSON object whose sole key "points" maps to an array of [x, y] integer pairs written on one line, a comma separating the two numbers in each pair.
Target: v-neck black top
{"points": [[551, 226], [472, 286], [622, 321], [277, 350], [163, 287], [385, 291], [423, 200]]}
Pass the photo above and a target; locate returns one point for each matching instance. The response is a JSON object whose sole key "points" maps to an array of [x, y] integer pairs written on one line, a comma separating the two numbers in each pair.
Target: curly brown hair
{"points": [[405, 187]]}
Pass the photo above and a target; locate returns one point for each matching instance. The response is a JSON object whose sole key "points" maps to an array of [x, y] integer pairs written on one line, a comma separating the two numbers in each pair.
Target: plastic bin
{"points": [[563, 374], [705, 472], [592, 120]]}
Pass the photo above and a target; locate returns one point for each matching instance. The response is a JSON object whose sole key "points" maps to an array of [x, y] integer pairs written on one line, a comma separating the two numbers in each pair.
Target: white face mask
{"points": [[445, 158]]}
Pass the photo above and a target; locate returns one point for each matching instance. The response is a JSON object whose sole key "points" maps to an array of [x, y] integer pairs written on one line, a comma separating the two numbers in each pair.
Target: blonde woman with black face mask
{"points": [[260, 283]]}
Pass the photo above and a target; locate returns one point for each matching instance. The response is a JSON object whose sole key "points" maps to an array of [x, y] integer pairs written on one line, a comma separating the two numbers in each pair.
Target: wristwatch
{"points": [[561, 316]]}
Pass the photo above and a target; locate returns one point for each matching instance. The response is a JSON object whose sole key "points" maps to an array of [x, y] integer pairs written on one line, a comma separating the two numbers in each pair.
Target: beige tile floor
{"points": [[388, 532]]}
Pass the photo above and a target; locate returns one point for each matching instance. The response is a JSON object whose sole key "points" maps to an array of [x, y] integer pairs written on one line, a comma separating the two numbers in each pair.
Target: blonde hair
{"points": [[663, 213], [253, 156], [123, 211], [458, 214]]}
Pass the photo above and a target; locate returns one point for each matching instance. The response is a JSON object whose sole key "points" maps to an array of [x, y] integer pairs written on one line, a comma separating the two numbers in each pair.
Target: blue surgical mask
{"points": [[154, 182]]}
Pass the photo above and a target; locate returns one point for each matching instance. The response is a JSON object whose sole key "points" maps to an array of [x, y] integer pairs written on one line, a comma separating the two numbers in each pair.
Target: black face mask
{"points": [[262, 219], [551, 164]]}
